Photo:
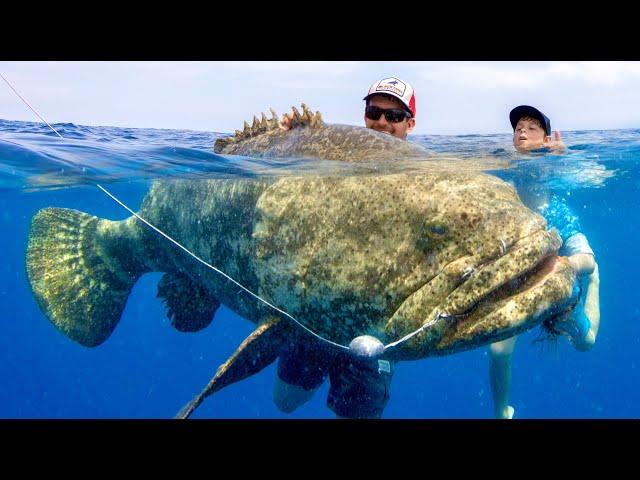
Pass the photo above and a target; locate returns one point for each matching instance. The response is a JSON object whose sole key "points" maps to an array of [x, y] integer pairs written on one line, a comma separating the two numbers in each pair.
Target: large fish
{"points": [[429, 263]]}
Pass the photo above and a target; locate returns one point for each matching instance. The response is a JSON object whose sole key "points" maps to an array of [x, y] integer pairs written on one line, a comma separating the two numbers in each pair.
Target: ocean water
{"points": [[147, 369]]}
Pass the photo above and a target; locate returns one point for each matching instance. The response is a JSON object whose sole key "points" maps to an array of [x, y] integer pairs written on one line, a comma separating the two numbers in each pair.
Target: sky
{"points": [[452, 98]]}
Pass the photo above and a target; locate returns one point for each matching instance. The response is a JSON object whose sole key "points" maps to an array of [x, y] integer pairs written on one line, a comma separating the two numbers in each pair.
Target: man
{"points": [[359, 388], [391, 107], [531, 132]]}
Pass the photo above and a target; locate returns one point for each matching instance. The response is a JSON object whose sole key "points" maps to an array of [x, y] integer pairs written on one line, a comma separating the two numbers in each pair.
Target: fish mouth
{"points": [[505, 295], [537, 295], [515, 287]]}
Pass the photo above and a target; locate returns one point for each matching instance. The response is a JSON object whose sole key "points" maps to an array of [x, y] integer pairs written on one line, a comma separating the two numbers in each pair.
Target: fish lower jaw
{"points": [[539, 295], [528, 280]]}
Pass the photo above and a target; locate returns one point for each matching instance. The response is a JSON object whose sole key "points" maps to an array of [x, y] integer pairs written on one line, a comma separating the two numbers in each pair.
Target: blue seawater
{"points": [[147, 369]]}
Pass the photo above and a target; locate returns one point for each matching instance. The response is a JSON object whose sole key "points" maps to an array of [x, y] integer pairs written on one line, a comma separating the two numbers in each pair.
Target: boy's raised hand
{"points": [[556, 146]]}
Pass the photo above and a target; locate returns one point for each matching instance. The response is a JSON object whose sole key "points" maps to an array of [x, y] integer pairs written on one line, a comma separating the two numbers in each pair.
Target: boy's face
{"points": [[399, 129], [529, 135]]}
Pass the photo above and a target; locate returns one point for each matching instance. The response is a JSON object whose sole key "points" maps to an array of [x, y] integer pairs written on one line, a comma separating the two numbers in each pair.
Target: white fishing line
{"points": [[27, 103]]}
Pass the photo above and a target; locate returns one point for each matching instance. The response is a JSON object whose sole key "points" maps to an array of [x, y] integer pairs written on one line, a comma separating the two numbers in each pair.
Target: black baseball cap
{"points": [[528, 111]]}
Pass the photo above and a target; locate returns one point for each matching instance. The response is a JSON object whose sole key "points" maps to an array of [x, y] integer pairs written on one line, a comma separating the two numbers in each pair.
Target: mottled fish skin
{"points": [[214, 219], [344, 254]]}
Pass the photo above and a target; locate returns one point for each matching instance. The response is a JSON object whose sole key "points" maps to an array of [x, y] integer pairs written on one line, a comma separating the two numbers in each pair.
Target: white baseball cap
{"points": [[396, 88]]}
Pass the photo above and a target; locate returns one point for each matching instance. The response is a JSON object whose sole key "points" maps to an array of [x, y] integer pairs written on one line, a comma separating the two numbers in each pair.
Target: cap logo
{"points": [[392, 85]]}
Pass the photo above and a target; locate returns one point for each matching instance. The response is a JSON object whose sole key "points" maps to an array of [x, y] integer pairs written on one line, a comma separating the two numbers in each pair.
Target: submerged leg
{"points": [[302, 368], [500, 376]]}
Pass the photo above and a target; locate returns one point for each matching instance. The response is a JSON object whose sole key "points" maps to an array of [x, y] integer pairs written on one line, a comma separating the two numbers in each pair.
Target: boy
{"points": [[531, 132]]}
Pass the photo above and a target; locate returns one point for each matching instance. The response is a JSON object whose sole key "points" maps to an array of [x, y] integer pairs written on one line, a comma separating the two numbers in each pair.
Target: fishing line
{"points": [[27, 103], [153, 227]]}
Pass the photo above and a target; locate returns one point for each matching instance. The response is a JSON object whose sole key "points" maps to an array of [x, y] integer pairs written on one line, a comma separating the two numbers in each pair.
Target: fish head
{"points": [[499, 274]]}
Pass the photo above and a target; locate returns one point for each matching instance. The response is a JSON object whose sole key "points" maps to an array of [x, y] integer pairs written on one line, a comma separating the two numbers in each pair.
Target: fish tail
{"points": [[75, 274]]}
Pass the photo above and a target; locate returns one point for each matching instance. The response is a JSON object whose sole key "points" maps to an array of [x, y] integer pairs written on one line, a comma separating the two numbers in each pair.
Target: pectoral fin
{"points": [[188, 304], [256, 352]]}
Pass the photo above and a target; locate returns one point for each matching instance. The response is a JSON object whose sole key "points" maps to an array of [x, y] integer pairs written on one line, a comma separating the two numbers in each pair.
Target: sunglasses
{"points": [[393, 115]]}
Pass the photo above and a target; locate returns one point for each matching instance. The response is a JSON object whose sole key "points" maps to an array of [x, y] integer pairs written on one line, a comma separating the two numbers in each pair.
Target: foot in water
{"points": [[506, 414]]}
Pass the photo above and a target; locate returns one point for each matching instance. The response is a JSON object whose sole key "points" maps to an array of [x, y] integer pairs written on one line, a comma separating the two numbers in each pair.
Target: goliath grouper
{"points": [[428, 263]]}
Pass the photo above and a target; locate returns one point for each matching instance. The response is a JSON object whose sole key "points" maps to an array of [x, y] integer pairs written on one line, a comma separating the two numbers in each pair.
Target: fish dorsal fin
{"points": [[295, 119]]}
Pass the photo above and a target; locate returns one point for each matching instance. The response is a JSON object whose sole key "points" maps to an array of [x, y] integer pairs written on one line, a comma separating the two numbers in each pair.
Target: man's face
{"points": [[529, 135], [399, 129]]}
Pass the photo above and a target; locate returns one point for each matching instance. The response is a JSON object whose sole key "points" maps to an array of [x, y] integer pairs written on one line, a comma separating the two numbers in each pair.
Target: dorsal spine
{"points": [[306, 119]]}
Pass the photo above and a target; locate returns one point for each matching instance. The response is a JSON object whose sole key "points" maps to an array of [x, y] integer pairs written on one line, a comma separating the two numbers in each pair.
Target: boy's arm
{"points": [[582, 259], [582, 263], [579, 253], [592, 304]]}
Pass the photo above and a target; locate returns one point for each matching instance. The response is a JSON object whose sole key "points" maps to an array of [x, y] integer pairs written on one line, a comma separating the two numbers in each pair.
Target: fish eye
{"points": [[432, 235], [433, 231], [437, 228]]}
